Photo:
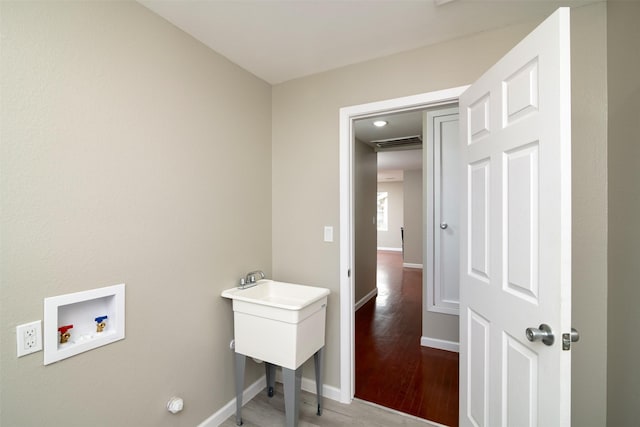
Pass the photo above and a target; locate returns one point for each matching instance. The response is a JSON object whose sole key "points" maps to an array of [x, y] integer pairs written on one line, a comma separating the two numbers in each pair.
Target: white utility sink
{"points": [[280, 323]]}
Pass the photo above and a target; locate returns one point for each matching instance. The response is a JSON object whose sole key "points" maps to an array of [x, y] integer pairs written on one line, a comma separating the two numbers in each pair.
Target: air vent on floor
{"points": [[407, 142]]}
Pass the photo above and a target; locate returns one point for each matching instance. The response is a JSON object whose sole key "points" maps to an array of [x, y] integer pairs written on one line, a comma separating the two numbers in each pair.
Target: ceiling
{"points": [[398, 125], [392, 164], [281, 40]]}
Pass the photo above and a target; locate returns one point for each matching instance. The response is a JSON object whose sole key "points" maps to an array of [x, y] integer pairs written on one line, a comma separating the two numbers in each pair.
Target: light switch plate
{"points": [[328, 233]]}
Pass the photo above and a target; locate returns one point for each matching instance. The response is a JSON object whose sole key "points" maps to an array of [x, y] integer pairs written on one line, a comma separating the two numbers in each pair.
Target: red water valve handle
{"points": [[64, 329]]}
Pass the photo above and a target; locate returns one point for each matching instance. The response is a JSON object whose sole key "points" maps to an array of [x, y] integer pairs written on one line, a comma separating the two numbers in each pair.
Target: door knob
{"points": [[567, 339], [542, 333], [444, 225]]}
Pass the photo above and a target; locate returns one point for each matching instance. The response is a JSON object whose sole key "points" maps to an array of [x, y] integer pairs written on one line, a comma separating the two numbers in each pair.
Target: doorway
{"points": [[395, 366], [347, 250]]}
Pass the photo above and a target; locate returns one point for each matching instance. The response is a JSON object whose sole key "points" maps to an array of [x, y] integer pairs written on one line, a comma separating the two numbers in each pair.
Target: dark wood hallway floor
{"points": [[392, 368]]}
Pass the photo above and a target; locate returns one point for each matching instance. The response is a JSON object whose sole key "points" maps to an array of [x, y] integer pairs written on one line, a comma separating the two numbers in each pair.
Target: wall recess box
{"points": [[81, 309]]}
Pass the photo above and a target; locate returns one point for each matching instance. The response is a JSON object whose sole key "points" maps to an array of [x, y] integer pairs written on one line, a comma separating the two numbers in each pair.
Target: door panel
{"points": [[479, 213], [478, 114], [520, 391], [477, 393], [521, 93], [521, 222], [515, 266]]}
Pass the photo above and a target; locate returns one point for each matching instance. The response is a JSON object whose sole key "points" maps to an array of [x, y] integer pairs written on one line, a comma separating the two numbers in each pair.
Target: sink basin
{"points": [[280, 323], [286, 301]]}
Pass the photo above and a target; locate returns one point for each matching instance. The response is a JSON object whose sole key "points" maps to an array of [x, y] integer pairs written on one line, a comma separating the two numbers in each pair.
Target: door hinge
{"points": [[567, 339]]}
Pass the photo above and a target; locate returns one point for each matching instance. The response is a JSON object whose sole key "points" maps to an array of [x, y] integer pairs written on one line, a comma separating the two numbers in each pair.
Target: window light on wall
{"points": [[383, 211]]}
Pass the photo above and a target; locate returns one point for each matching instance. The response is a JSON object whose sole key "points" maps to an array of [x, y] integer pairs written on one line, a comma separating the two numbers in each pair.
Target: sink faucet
{"points": [[250, 280]]}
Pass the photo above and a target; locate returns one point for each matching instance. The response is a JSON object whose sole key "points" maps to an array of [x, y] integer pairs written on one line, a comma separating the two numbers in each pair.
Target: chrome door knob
{"points": [[542, 333], [567, 339], [444, 225], [575, 335]]}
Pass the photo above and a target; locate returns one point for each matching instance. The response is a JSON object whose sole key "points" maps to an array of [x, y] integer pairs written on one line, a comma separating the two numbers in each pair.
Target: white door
{"points": [[442, 208], [515, 266]]}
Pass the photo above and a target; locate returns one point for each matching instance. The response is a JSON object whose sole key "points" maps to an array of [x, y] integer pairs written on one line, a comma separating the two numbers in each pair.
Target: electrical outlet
{"points": [[29, 338]]}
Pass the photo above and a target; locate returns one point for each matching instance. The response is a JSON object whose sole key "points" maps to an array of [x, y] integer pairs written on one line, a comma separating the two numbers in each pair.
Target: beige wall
{"points": [[392, 237], [439, 326], [306, 171], [365, 182], [412, 214], [589, 213], [126, 157], [624, 210]]}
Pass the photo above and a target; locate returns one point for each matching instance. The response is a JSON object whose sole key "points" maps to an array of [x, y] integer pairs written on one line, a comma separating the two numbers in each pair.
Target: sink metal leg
{"points": [[240, 362], [317, 361], [292, 380], [270, 370]]}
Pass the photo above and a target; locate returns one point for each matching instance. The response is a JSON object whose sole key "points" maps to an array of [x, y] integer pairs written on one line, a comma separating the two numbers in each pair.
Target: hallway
{"points": [[392, 369]]}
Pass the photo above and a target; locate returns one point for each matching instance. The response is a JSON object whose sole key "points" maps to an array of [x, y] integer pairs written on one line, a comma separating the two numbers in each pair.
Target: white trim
{"points": [[347, 115], [411, 265], [440, 344], [444, 310], [390, 249], [328, 391], [230, 408], [308, 384], [347, 292], [365, 299]]}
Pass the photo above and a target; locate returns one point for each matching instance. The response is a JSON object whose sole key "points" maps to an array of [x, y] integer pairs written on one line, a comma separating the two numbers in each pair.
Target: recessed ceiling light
{"points": [[379, 123]]}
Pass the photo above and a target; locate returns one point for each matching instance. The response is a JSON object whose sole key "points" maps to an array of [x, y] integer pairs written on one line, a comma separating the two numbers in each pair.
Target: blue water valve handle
{"points": [[101, 319]]}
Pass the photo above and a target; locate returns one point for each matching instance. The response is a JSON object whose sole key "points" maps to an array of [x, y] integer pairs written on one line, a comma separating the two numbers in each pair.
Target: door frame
{"points": [[347, 291]]}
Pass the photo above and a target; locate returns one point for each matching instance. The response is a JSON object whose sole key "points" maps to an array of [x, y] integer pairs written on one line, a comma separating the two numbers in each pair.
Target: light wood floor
{"points": [[263, 411]]}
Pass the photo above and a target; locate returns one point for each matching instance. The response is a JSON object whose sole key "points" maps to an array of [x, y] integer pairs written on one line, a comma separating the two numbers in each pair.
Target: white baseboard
{"points": [[366, 298], [328, 391], [309, 385], [390, 249], [410, 265], [440, 344], [230, 408], [250, 392]]}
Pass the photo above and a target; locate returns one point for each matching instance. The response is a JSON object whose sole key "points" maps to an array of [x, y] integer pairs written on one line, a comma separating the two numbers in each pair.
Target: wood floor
{"points": [[392, 368], [262, 411]]}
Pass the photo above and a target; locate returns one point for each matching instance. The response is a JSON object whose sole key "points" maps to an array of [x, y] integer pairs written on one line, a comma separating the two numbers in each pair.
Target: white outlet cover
{"points": [[29, 338]]}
